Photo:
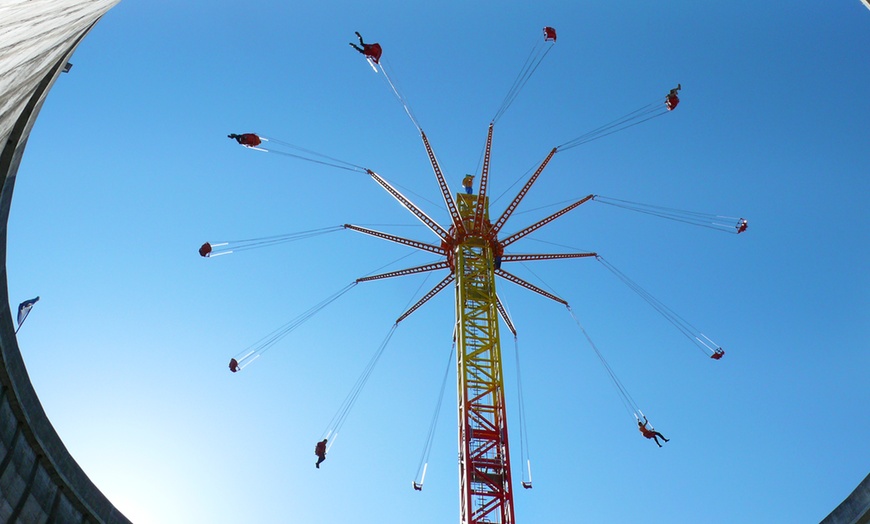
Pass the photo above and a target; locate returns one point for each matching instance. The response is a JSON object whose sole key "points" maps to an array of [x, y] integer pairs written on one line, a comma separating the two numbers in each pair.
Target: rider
{"points": [[320, 451], [649, 432], [372, 51], [672, 99], [549, 34], [246, 139]]}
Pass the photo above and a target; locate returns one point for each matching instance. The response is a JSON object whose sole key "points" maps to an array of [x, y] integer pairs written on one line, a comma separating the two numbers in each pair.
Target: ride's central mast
{"points": [[486, 494], [474, 255]]}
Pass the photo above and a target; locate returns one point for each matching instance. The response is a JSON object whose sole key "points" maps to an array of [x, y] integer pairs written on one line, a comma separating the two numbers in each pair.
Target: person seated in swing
{"points": [[234, 365], [246, 139], [418, 487], [717, 354], [742, 225], [320, 451], [549, 34], [648, 432], [371, 51], [672, 99]]}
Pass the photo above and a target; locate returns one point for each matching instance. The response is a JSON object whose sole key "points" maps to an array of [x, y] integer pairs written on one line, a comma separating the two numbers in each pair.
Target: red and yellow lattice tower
{"points": [[473, 253], [484, 461]]}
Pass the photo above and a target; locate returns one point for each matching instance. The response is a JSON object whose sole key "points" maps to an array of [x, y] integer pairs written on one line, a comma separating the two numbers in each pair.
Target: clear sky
{"points": [[129, 170]]}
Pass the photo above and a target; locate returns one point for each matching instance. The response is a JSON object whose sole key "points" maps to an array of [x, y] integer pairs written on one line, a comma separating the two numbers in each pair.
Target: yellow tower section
{"points": [[486, 494]]}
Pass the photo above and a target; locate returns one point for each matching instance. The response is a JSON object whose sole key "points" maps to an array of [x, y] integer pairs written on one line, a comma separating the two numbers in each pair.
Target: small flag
{"points": [[24, 310]]}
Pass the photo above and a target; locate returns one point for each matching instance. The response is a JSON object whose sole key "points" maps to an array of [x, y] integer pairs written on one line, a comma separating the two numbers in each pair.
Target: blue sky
{"points": [[128, 170]]}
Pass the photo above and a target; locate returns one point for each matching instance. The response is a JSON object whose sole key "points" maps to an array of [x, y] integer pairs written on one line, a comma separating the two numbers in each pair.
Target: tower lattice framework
{"points": [[484, 462], [474, 254]]}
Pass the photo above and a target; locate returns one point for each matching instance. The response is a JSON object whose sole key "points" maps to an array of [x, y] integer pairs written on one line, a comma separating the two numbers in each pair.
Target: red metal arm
{"points": [[547, 256], [399, 240], [520, 282], [484, 178], [513, 205], [520, 234], [402, 272], [504, 316], [445, 189], [423, 217], [435, 290]]}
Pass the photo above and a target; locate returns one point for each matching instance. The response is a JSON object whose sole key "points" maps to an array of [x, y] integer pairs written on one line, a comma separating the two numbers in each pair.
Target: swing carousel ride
{"points": [[473, 250]]}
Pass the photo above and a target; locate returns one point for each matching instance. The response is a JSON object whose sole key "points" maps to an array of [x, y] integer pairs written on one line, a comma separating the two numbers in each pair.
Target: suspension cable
{"points": [[702, 341], [427, 449], [525, 456], [539, 50], [627, 401], [517, 181], [335, 425], [638, 116], [722, 223], [625, 397], [209, 249], [255, 350], [338, 420], [388, 264], [286, 148], [402, 100], [439, 205]]}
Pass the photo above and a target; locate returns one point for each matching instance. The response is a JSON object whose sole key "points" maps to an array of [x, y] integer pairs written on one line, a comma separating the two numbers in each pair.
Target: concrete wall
{"points": [[39, 480], [855, 509]]}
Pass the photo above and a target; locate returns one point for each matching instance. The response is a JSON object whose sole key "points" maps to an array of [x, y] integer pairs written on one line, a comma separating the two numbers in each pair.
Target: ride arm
{"points": [[520, 282], [513, 205], [520, 234], [434, 291], [504, 316], [417, 212], [544, 256], [399, 240], [442, 184], [484, 178], [402, 272]]}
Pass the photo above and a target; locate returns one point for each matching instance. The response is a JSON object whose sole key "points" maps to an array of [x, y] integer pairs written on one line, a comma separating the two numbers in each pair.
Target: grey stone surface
{"points": [[855, 509], [34, 35], [39, 480]]}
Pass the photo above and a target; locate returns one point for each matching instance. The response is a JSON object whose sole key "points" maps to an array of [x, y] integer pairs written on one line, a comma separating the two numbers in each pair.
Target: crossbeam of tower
{"points": [[405, 272], [442, 184], [399, 240], [543, 222], [484, 183], [516, 201], [416, 211]]}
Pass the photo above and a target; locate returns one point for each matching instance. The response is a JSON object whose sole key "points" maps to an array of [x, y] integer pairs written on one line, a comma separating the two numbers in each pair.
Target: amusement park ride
{"points": [[472, 248]]}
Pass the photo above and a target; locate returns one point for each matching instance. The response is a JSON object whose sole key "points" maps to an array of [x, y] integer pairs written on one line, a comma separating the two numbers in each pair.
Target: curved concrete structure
{"points": [[39, 480], [855, 509]]}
